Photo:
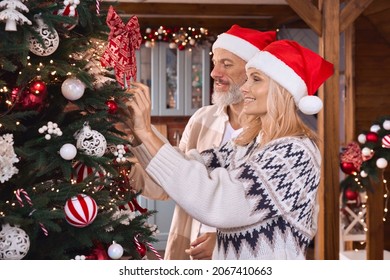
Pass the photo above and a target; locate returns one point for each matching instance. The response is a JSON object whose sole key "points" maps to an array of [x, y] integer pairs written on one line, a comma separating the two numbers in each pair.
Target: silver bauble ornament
{"points": [[91, 141], [49, 37]]}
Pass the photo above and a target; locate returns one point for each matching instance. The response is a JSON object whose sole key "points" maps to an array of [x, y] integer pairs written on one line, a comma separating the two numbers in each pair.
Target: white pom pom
{"points": [[375, 128], [381, 163], [386, 124], [362, 138], [310, 105]]}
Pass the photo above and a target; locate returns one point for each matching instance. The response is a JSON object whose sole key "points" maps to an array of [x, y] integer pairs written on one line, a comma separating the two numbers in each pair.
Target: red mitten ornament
{"points": [[80, 210]]}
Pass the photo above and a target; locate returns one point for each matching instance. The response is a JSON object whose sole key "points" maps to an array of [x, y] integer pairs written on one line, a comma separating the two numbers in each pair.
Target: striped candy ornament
{"points": [[80, 210], [386, 141], [83, 171]]}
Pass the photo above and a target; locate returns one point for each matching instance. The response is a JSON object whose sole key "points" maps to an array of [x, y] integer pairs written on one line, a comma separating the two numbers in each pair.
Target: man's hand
{"points": [[202, 248]]}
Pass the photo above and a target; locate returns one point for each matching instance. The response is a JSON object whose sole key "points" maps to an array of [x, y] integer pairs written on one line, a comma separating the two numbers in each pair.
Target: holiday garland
{"points": [[178, 37]]}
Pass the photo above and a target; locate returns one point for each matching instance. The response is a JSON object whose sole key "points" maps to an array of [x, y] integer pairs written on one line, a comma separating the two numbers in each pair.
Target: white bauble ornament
{"points": [[375, 128], [363, 174], [14, 243], [50, 39], [362, 138], [68, 151], [386, 124], [72, 89], [381, 163], [115, 251], [91, 142]]}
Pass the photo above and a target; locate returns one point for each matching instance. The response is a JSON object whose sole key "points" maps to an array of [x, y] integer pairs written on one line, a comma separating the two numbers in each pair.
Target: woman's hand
{"points": [[139, 110], [139, 118]]}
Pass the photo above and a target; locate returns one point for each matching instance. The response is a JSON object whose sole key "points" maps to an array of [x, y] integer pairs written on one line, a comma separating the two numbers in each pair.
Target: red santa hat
{"points": [[296, 68], [244, 42]]}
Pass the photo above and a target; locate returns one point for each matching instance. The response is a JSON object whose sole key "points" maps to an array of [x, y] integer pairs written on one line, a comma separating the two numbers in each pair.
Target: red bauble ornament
{"points": [[80, 210], [372, 137], [112, 106], [181, 47], [141, 249], [38, 87], [348, 168], [351, 194], [31, 97]]}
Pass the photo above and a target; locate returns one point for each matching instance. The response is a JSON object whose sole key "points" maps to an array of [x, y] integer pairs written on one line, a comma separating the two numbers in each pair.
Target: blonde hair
{"points": [[281, 119]]}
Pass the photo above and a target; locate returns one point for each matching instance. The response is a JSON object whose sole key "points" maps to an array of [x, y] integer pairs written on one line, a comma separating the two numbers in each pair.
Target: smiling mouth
{"points": [[249, 99]]}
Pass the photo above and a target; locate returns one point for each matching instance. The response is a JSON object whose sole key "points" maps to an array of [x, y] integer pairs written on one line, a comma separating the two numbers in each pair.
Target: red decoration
{"points": [[80, 210], [83, 171], [348, 168], [68, 12], [38, 87], [123, 41], [372, 137], [141, 249], [386, 141], [351, 194], [132, 205], [30, 97], [112, 106], [351, 158], [98, 253]]}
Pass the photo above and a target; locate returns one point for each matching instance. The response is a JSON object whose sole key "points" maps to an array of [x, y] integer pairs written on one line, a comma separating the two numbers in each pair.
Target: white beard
{"points": [[233, 96]]}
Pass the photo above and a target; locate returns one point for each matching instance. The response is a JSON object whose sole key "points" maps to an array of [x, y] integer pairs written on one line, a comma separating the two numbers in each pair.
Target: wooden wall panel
{"points": [[372, 75], [372, 83]]}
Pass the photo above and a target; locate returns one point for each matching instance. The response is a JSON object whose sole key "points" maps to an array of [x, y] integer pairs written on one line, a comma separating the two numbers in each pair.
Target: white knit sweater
{"points": [[262, 201]]}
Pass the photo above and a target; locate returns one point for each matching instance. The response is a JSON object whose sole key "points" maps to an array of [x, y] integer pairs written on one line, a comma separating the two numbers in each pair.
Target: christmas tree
{"points": [[64, 189]]}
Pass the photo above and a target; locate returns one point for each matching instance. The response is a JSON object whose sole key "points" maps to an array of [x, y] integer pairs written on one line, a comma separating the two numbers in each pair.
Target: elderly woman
{"points": [[260, 189]]}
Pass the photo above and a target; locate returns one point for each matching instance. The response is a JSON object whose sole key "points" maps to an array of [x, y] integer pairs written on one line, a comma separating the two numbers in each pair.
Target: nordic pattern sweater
{"points": [[262, 201]]}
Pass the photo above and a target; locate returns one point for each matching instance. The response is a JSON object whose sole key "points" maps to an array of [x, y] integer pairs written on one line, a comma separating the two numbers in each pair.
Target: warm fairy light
{"points": [[51, 61], [17, 123]]}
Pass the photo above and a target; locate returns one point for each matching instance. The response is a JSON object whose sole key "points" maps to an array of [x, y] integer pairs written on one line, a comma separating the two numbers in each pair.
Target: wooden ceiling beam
{"points": [[352, 11], [308, 13]]}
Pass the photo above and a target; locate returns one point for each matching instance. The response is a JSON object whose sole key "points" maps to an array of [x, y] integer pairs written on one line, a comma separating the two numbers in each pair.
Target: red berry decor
{"points": [[80, 210]]}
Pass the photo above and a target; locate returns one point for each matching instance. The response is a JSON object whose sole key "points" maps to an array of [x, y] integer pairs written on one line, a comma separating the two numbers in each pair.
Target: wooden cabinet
{"points": [[179, 79]]}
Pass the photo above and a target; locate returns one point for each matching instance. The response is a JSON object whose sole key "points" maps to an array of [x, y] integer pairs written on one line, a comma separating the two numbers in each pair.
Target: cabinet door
{"points": [[148, 73], [171, 77], [197, 81]]}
